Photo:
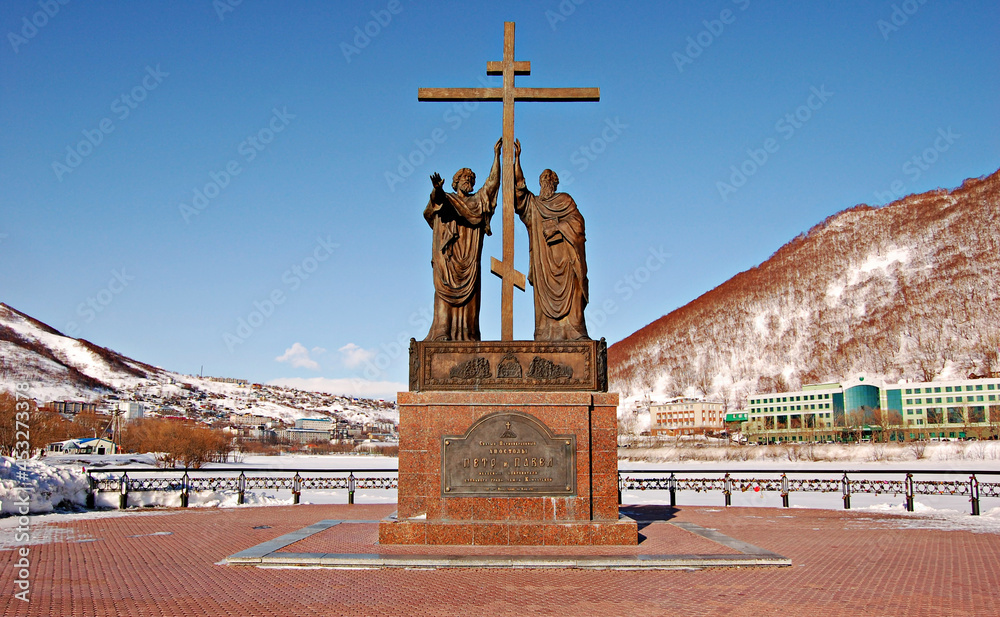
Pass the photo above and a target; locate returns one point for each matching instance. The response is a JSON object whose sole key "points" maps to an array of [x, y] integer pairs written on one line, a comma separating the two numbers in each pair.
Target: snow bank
{"points": [[50, 488]]}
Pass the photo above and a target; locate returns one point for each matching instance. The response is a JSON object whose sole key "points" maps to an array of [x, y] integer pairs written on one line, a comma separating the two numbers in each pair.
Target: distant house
{"points": [[70, 407], [132, 410], [302, 435], [686, 416], [249, 419], [317, 424], [89, 445]]}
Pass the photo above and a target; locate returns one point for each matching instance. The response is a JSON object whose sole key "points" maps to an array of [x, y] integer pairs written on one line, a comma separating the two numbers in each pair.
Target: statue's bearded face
{"points": [[464, 182]]}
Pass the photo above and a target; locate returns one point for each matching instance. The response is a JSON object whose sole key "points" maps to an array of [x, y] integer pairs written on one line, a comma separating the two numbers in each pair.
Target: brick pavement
{"points": [[845, 563]]}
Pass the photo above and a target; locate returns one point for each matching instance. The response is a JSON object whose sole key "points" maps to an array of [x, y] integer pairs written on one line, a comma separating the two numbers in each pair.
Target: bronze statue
{"points": [[458, 221], [558, 261]]}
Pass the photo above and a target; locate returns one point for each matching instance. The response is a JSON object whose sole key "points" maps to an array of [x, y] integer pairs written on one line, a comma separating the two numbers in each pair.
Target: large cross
{"points": [[508, 67]]}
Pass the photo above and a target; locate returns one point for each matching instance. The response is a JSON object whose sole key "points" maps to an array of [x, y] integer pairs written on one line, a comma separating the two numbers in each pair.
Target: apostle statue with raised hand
{"points": [[458, 222], [558, 261]]}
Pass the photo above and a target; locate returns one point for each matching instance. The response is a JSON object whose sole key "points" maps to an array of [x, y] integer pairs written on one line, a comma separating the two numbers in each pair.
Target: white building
{"points": [[687, 416], [316, 424], [91, 445], [132, 410]]}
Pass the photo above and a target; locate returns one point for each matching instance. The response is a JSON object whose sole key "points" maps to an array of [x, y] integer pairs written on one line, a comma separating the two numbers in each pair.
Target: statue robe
{"points": [[558, 264], [458, 223]]}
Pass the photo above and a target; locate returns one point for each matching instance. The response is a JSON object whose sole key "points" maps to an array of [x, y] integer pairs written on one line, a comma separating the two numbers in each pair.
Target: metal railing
{"points": [[909, 483], [786, 482], [126, 480]]}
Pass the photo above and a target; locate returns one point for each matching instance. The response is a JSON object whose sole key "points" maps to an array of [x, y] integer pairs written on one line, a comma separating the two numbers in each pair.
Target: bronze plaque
{"points": [[557, 366], [508, 454]]}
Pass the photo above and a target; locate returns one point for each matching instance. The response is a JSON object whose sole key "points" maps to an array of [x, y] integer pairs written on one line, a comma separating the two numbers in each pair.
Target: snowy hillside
{"points": [[910, 290], [60, 368]]}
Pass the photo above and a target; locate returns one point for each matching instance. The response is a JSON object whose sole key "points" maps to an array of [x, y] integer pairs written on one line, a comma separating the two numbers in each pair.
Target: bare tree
{"points": [[705, 375]]}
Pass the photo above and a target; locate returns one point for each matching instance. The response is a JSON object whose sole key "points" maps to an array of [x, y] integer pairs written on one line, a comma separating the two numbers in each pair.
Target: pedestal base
{"points": [[624, 531], [508, 492]]}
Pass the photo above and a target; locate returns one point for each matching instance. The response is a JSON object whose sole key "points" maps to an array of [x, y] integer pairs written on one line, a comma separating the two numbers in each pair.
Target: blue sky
{"points": [[195, 186]]}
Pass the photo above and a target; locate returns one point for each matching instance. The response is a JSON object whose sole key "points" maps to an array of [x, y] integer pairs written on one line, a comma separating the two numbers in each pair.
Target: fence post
{"points": [[123, 492], [727, 488], [909, 492], [350, 488], [91, 491], [672, 485], [241, 488], [184, 490], [845, 487], [784, 490], [974, 494], [296, 487], [619, 488]]}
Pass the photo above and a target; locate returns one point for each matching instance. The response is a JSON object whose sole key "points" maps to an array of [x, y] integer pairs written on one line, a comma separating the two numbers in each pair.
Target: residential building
{"points": [[687, 416], [249, 419], [302, 435], [132, 410], [319, 424], [70, 407], [90, 445]]}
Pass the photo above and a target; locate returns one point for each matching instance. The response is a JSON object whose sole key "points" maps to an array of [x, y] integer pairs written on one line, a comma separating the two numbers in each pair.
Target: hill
{"points": [[59, 367], [909, 290]]}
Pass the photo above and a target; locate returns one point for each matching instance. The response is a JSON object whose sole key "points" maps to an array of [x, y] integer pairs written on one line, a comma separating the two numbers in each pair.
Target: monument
{"points": [[508, 442], [458, 221]]}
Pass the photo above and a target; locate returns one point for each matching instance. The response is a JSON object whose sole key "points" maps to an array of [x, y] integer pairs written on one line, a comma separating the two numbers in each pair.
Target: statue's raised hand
{"points": [[498, 146], [517, 147], [436, 180]]}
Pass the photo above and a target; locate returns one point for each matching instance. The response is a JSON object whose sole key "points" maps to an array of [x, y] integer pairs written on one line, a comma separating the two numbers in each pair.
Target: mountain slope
{"points": [[908, 290], [33, 351], [58, 367]]}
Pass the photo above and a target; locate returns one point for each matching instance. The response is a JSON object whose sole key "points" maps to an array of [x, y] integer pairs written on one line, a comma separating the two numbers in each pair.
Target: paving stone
{"points": [[845, 563]]}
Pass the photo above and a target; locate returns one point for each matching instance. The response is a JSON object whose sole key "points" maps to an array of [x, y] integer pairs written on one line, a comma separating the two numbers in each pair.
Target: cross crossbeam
{"points": [[508, 94]]}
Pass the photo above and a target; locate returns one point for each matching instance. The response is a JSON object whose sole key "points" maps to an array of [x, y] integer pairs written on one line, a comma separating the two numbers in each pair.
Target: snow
{"points": [[165, 392], [48, 487], [878, 261]]}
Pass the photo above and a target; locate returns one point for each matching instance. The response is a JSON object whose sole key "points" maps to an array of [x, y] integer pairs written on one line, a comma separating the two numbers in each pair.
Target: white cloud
{"points": [[354, 356], [363, 388], [299, 357]]}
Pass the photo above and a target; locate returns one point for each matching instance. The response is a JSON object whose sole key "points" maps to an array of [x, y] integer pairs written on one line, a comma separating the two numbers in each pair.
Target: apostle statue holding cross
{"points": [[459, 220], [504, 268]]}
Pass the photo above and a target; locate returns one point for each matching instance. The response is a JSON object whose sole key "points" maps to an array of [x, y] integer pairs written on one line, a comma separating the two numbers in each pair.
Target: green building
{"points": [[960, 409]]}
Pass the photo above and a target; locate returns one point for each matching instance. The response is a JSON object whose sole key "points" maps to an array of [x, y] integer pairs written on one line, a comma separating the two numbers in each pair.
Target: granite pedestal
{"points": [[507, 467]]}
